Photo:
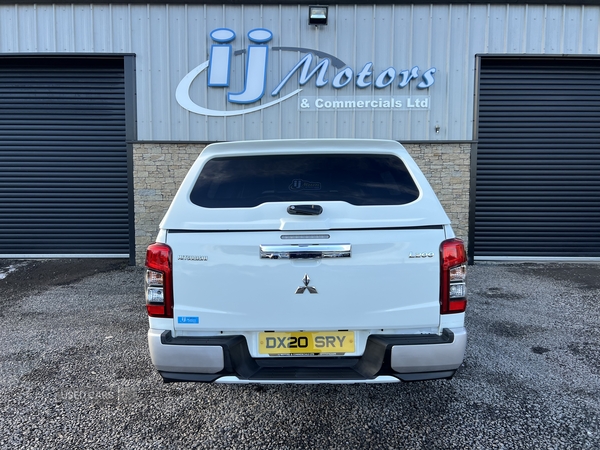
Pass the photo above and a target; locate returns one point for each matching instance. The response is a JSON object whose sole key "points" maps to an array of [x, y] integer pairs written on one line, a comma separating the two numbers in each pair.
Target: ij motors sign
{"points": [[342, 87]]}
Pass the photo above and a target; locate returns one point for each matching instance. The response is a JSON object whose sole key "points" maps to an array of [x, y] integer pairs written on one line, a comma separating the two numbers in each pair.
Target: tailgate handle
{"points": [[305, 251], [305, 210]]}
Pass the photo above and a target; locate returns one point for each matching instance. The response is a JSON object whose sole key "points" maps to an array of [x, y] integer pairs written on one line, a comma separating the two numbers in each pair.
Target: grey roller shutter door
{"points": [[537, 192], [63, 157]]}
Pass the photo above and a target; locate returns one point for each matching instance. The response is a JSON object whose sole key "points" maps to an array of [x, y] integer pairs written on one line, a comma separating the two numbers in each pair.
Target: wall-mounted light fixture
{"points": [[437, 128], [317, 15]]}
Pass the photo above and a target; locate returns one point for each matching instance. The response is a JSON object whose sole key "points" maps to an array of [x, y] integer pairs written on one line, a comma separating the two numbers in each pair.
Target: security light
{"points": [[317, 15]]}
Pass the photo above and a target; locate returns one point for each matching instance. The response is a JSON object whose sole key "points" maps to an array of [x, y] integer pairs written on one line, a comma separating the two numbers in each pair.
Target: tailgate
{"points": [[334, 280]]}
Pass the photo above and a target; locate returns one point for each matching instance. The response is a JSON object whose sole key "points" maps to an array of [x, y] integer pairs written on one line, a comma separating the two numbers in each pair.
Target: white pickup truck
{"points": [[306, 261]]}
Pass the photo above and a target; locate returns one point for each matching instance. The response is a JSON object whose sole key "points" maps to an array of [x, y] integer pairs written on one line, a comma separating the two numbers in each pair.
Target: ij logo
{"points": [[303, 185], [219, 67]]}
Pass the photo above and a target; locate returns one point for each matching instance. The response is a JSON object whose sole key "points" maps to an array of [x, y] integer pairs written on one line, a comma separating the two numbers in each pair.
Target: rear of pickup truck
{"points": [[306, 262]]}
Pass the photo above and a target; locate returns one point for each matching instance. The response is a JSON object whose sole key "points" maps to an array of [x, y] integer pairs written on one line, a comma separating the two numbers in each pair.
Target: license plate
{"points": [[306, 342]]}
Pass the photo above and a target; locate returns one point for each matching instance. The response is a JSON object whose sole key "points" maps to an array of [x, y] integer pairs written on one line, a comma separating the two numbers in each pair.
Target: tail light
{"points": [[159, 281], [453, 290]]}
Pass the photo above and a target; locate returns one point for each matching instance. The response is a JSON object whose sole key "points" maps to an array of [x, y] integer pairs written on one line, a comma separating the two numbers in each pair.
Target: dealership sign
{"points": [[254, 96]]}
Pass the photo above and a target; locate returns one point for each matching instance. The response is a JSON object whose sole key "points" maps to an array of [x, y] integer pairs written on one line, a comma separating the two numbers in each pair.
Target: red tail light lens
{"points": [[453, 290], [159, 281]]}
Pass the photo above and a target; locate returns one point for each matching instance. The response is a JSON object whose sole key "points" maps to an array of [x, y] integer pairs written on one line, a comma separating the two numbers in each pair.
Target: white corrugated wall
{"points": [[169, 41]]}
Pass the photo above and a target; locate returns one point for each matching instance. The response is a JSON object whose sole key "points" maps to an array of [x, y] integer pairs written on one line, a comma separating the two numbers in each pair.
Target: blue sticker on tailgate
{"points": [[188, 319]]}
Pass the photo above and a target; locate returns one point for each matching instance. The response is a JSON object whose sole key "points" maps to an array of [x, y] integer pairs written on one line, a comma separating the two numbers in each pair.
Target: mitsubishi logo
{"points": [[306, 281]]}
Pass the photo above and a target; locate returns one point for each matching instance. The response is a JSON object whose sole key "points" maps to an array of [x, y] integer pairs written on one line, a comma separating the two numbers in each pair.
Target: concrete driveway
{"points": [[75, 372]]}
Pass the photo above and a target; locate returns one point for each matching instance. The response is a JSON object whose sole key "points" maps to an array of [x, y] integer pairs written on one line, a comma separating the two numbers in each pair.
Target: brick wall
{"points": [[158, 169]]}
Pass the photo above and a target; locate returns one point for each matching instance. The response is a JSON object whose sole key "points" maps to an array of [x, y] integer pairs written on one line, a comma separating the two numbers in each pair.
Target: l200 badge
{"points": [[421, 255]]}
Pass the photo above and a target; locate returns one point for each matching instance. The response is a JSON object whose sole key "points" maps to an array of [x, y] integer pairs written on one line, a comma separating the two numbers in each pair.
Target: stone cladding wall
{"points": [[448, 170], [158, 170]]}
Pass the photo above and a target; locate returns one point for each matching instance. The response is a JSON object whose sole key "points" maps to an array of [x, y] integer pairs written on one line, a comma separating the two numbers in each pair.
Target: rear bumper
{"points": [[387, 358]]}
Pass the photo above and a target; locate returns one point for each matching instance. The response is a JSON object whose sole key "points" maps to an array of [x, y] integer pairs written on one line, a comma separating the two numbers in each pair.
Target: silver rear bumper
{"points": [[227, 359], [430, 357], [184, 358]]}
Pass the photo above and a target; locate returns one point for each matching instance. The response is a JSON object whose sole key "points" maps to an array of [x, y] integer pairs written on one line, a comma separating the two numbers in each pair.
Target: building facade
{"points": [[107, 105]]}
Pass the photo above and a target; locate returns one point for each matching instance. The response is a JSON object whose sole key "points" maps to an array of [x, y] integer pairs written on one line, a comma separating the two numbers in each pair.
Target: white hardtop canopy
{"points": [[185, 215]]}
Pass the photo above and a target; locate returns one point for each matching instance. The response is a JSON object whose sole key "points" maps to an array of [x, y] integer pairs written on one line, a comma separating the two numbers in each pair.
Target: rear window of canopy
{"points": [[358, 179]]}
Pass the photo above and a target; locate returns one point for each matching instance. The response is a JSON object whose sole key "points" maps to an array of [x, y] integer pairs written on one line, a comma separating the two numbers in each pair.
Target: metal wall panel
{"points": [[537, 192], [171, 40]]}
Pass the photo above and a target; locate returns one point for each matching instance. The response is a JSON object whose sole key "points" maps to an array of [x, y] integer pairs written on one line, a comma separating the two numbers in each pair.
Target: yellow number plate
{"points": [[303, 342]]}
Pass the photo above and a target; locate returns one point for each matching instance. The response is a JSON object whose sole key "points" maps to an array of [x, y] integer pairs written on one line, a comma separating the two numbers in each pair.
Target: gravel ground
{"points": [[75, 372]]}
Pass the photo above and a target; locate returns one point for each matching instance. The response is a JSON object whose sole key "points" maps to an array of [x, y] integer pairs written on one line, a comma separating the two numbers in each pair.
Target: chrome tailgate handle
{"points": [[305, 251]]}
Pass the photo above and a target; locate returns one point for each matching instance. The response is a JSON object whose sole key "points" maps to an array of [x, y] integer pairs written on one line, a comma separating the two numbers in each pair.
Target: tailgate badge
{"points": [[421, 255], [192, 258], [306, 281]]}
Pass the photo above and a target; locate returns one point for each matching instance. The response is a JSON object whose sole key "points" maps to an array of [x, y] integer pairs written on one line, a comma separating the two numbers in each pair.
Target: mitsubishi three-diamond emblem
{"points": [[306, 281]]}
